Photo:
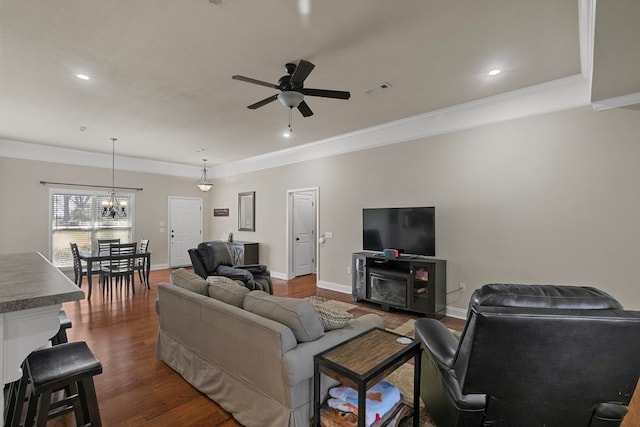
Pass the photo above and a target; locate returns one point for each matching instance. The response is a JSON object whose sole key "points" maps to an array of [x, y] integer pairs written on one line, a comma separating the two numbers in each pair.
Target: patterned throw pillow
{"points": [[331, 317]]}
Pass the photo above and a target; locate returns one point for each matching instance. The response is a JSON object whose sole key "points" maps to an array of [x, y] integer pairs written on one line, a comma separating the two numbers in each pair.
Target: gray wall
{"points": [[546, 199], [25, 222]]}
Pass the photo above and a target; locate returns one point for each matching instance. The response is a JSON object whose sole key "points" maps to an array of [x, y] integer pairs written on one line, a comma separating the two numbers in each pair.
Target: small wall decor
{"points": [[246, 211], [221, 212]]}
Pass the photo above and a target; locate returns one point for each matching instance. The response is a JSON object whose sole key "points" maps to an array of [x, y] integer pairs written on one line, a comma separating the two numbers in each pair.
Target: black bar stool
{"points": [[65, 323], [70, 366], [17, 389]]}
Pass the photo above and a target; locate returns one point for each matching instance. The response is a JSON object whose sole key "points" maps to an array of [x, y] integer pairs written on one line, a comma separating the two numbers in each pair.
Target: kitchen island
{"points": [[32, 291]]}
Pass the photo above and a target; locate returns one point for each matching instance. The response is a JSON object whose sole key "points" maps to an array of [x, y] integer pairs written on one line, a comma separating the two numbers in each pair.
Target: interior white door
{"points": [[304, 233], [185, 229]]}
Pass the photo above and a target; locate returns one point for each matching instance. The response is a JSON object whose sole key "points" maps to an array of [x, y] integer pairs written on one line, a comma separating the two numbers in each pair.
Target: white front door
{"points": [[185, 229], [304, 242]]}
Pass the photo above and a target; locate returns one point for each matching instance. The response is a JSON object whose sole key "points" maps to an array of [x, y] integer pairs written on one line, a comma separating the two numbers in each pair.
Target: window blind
{"points": [[77, 217]]}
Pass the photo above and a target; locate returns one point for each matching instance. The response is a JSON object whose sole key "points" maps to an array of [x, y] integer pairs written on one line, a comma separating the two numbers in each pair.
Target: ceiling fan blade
{"points": [[302, 72], [304, 109], [337, 94], [263, 102], [254, 81]]}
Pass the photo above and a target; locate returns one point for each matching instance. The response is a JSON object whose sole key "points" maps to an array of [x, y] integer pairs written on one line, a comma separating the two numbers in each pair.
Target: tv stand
{"points": [[409, 282]]}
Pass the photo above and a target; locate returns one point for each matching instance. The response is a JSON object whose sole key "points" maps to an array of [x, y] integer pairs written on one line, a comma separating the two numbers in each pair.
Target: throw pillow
{"points": [[227, 291], [332, 318], [189, 281], [299, 315]]}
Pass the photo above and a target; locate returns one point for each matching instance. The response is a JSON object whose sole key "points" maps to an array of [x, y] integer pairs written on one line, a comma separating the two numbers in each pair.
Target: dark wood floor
{"points": [[137, 390]]}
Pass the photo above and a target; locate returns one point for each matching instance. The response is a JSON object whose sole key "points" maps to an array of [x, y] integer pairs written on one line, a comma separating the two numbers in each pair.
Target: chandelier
{"points": [[113, 208], [203, 184]]}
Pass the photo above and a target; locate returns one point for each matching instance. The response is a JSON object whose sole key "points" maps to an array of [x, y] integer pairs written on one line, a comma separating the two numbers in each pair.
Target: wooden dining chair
{"points": [[120, 269], [79, 270], [103, 248], [141, 263]]}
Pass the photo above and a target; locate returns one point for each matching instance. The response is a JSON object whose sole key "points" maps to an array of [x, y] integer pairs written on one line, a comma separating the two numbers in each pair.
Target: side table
{"points": [[362, 362]]}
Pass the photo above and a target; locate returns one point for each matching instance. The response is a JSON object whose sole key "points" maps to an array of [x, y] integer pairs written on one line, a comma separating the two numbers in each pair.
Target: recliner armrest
{"points": [[234, 273], [253, 268], [438, 341]]}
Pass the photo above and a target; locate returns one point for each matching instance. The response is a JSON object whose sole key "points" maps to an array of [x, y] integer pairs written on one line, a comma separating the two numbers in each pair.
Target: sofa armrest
{"points": [[298, 363], [438, 341]]}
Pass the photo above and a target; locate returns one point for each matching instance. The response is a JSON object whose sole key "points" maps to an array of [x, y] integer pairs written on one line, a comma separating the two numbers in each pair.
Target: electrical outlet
{"points": [[349, 270], [463, 287]]}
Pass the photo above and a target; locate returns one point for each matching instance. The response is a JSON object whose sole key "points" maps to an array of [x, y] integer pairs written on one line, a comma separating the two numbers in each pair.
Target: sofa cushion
{"points": [[226, 290], [190, 281], [299, 315], [223, 279]]}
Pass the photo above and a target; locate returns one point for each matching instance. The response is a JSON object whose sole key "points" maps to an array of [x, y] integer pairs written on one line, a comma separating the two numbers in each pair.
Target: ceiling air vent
{"points": [[383, 85]]}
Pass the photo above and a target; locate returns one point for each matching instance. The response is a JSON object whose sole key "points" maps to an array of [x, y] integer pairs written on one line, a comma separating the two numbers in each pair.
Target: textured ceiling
{"points": [[161, 69]]}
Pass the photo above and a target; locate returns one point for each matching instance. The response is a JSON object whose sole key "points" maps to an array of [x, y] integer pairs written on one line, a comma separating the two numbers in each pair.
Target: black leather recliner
{"points": [[214, 259], [532, 355]]}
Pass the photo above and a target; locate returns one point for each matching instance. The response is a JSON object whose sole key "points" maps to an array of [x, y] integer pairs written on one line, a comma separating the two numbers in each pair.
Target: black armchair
{"points": [[214, 259], [532, 355]]}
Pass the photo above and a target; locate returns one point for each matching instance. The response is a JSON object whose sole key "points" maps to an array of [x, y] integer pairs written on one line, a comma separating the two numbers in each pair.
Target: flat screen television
{"points": [[411, 230]]}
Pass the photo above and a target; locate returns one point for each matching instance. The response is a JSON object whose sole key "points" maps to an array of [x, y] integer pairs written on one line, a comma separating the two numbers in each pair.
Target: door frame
{"points": [[290, 246], [168, 228]]}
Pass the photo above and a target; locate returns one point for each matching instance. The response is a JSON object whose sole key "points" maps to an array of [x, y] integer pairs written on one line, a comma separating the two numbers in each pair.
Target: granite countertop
{"points": [[29, 280]]}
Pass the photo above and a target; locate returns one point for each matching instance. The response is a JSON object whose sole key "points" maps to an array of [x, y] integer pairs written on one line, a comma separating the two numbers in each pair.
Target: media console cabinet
{"points": [[409, 282]]}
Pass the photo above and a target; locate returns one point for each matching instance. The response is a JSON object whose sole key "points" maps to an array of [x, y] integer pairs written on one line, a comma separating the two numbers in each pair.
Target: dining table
{"points": [[91, 257]]}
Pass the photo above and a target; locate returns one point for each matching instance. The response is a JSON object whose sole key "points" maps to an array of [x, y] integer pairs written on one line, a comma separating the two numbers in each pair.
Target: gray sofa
{"points": [[258, 369]]}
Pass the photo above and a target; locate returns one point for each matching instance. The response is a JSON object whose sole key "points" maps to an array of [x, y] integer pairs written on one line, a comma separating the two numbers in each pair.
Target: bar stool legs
{"points": [[69, 367]]}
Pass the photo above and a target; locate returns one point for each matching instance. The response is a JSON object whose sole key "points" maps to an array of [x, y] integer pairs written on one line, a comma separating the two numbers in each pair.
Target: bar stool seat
{"points": [[70, 366]]}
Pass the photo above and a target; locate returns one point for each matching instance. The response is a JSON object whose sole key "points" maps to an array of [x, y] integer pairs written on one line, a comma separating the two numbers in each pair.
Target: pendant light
{"points": [[113, 208], [203, 184]]}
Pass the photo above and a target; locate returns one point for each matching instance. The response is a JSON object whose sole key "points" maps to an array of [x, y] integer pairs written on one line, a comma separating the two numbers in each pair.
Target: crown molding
{"points": [[557, 95], [616, 102], [67, 156]]}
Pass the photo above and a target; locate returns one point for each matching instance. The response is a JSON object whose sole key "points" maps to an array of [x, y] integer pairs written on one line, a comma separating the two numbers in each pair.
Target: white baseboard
{"points": [[277, 275], [345, 289], [159, 266], [458, 313]]}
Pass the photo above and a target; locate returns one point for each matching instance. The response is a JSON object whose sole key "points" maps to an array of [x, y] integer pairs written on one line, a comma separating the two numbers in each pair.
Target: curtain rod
{"points": [[90, 185]]}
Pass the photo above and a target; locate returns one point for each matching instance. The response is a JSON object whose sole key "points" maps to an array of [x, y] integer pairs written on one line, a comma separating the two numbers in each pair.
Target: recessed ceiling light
{"points": [[83, 77], [495, 72], [286, 134]]}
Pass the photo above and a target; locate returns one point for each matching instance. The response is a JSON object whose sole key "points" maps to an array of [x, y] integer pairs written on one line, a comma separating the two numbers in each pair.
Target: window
{"points": [[77, 217]]}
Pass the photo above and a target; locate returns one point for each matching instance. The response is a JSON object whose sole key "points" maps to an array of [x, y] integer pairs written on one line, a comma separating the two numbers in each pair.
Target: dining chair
{"points": [[79, 271], [120, 269], [141, 263], [103, 247]]}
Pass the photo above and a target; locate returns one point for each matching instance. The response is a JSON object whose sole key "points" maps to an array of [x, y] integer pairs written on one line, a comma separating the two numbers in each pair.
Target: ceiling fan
{"points": [[292, 90]]}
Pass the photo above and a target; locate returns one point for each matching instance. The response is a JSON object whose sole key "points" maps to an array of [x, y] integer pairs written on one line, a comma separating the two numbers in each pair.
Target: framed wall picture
{"points": [[247, 211]]}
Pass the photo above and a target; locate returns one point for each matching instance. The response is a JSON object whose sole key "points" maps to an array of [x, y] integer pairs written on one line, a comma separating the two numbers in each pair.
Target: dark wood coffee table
{"points": [[362, 362]]}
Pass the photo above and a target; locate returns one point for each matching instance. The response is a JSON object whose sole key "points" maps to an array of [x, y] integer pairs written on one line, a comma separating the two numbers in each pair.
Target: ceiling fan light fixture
{"points": [[290, 98]]}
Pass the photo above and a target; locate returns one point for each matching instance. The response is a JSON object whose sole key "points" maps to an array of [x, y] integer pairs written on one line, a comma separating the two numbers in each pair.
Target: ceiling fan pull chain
{"points": [[290, 128]]}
